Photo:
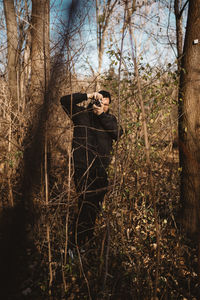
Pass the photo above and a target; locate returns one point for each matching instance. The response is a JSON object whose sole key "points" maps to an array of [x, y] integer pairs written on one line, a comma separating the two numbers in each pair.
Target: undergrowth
{"points": [[121, 261]]}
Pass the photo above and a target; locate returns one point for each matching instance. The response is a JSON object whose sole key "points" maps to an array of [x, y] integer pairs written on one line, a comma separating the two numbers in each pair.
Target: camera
{"points": [[97, 102]]}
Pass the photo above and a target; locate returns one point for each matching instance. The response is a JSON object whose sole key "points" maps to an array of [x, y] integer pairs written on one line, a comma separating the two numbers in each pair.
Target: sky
{"points": [[153, 28]]}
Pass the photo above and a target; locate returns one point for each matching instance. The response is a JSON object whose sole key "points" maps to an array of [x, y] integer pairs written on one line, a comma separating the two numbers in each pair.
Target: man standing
{"points": [[94, 131]]}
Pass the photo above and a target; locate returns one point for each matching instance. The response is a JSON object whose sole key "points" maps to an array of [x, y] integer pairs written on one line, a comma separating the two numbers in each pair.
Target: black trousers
{"points": [[91, 186]]}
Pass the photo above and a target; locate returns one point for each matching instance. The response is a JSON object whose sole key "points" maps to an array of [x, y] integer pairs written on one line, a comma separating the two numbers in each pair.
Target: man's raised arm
{"points": [[69, 103]]}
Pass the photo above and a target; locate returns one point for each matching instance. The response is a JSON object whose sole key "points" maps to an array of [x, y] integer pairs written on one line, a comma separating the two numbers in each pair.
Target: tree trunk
{"points": [[34, 141], [103, 16], [39, 50], [189, 121], [12, 45], [12, 68], [179, 31]]}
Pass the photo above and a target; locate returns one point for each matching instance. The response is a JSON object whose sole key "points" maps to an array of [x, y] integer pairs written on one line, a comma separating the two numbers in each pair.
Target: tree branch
{"points": [[181, 12]]}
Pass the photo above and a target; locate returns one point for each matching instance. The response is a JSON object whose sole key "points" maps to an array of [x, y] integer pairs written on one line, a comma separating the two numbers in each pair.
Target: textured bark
{"points": [[189, 121], [34, 141], [39, 50], [12, 45], [179, 31]]}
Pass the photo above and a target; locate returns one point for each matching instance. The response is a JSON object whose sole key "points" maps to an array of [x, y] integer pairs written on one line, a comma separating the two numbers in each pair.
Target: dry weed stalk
{"points": [[47, 224]]}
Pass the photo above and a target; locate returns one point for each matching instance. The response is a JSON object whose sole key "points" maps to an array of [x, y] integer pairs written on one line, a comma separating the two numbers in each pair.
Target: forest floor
{"points": [[121, 263]]}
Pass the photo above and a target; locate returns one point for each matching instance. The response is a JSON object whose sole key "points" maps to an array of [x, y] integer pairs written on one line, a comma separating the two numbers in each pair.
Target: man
{"points": [[94, 131]]}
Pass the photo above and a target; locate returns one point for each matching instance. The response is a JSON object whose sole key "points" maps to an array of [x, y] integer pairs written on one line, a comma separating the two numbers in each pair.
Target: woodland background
{"points": [[146, 53]]}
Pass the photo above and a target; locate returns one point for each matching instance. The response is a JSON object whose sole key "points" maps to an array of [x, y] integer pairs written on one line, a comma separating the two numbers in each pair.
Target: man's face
{"points": [[105, 102]]}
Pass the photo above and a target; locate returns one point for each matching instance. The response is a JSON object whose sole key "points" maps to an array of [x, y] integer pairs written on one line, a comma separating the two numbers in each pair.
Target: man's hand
{"points": [[95, 95], [98, 110]]}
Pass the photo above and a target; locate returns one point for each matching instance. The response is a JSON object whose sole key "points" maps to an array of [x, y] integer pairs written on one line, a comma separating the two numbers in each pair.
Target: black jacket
{"points": [[93, 135]]}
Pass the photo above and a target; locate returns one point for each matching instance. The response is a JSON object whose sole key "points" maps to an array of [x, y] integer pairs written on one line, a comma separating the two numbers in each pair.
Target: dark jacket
{"points": [[93, 135]]}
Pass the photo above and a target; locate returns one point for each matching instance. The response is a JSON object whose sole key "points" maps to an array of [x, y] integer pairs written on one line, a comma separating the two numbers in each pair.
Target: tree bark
{"points": [[39, 50], [12, 46], [189, 122], [179, 31], [12, 68], [34, 141]]}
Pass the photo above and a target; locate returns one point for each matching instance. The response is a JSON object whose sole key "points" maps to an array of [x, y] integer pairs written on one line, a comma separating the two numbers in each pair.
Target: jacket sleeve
{"points": [[69, 103], [109, 123]]}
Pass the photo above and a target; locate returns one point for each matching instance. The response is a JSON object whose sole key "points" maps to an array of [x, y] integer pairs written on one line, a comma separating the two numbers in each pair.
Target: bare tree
{"points": [[130, 11], [12, 45], [39, 49], [12, 70], [179, 30], [103, 15], [189, 121]]}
